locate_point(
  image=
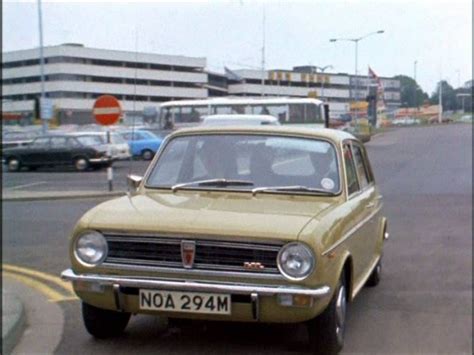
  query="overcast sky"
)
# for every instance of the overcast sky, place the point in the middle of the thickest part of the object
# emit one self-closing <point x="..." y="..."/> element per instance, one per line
<point x="437" y="34"/>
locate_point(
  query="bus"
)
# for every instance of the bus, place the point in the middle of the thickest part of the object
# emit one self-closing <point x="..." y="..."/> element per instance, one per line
<point x="302" y="111"/>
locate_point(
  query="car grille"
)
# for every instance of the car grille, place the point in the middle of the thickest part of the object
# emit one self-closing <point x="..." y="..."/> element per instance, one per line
<point x="209" y="255"/>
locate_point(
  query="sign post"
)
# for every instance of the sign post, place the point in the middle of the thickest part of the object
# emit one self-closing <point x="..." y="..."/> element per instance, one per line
<point x="107" y="111"/>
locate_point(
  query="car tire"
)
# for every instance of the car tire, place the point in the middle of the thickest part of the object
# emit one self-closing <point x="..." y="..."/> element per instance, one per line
<point x="326" y="331"/>
<point x="103" y="323"/>
<point x="81" y="164"/>
<point x="14" y="165"/>
<point x="375" y="276"/>
<point x="147" y="154"/>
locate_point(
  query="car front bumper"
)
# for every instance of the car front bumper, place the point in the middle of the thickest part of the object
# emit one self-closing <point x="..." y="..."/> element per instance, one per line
<point x="109" y="291"/>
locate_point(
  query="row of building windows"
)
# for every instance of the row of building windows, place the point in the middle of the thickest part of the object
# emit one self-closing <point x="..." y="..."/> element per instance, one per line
<point x="102" y="62"/>
<point x="82" y="95"/>
<point x="100" y="79"/>
<point x="304" y="84"/>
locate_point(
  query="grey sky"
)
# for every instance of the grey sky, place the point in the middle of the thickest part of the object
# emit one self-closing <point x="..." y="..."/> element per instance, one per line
<point x="438" y="34"/>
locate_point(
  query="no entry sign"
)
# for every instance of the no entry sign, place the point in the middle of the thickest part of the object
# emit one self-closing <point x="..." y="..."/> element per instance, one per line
<point x="107" y="110"/>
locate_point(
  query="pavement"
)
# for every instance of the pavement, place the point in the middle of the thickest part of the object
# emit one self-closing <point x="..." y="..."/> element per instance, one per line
<point x="14" y="307"/>
<point x="13" y="319"/>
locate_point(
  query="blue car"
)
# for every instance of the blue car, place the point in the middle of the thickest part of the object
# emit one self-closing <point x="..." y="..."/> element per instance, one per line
<point x="142" y="143"/>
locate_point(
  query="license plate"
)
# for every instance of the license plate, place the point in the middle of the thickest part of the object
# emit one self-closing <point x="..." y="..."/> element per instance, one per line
<point x="190" y="302"/>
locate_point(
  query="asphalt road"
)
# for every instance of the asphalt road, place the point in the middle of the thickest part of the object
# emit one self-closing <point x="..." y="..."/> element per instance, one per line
<point x="422" y="305"/>
<point x="66" y="178"/>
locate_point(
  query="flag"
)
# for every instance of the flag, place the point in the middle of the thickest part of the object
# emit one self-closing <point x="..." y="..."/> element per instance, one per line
<point x="375" y="80"/>
<point x="231" y="75"/>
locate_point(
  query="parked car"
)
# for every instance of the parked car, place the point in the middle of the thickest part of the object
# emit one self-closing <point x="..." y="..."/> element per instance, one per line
<point x="142" y="143"/>
<point x="54" y="150"/>
<point x="270" y="224"/>
<point x="119" y="149"/>
<point x="233" y="120"/>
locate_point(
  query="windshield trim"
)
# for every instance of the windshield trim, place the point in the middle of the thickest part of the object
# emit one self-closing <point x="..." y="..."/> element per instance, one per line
<point x="169" y="138"/>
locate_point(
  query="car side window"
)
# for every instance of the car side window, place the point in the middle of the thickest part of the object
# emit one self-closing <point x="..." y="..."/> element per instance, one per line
<point x="58" y="142"/>
<point x="73" y="143"/>
<point x="352" y="182"/>
<point x="361" y="166"/>
<point x="40" y="143"/>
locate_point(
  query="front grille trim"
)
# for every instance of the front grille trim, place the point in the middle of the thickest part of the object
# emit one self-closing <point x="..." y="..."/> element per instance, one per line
<point x="231" y="260"/>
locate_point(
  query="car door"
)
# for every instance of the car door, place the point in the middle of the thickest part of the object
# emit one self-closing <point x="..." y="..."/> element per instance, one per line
<point x="369" y="199"/>
<point x="38" y="152"/>
<point x="358" y="197"/>
<point x="60" y="152"/>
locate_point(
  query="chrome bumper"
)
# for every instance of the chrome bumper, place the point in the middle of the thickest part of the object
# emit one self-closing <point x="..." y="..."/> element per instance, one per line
<point x="99" y="160"/>
<point x="124" y="281"/>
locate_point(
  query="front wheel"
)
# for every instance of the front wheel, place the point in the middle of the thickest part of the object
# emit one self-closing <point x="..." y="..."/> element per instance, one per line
<point x="103" y="323"/>
<point x="81" y="164"/>
<point x="326" y="331"/>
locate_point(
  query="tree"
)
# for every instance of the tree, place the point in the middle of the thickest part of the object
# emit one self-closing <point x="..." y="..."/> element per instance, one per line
<point x="411" y="93"/>
<point x="449" y="100"/>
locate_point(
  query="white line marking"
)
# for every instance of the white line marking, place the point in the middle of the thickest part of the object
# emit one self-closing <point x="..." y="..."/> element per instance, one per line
<point x="26" y="185"/>
<point x="106" y="110"/>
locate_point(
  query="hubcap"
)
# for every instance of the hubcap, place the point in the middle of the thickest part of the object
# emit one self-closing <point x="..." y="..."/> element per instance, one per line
<point x="81" y="164"/>
<point x="340" y="313"/>
<point x="13" y="164"/>
<point x="147" y="155"/>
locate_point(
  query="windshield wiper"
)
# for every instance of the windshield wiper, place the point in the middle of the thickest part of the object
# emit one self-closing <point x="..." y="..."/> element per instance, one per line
<point x="290" y="188"/>
<point x="213" y="182"/>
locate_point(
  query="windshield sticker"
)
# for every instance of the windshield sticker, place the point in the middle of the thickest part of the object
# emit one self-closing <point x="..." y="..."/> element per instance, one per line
<point x="327" y="184"/>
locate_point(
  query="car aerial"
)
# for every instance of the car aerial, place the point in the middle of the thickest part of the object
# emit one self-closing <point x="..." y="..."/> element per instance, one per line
<point x="119" y="149"/>
<point x="54" y="150"/>
<point x="239" y="119"/>
<point x="142" y="143"/>
<point x="271" y="224"/>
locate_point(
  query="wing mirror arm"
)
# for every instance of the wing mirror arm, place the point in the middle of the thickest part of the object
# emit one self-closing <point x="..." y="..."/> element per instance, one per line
<point x="133" y="182"/>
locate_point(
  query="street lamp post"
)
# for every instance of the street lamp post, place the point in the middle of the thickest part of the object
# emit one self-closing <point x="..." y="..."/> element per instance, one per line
<point x="322" y="69"/>
<point x="415" y="92"/>
<point x="40" y="24"/>
<point x="356" y="42"/>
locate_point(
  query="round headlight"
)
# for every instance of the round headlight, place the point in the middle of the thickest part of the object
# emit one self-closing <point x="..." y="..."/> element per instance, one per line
<point x="295" y="261"/>
<point x="91" y="248"/>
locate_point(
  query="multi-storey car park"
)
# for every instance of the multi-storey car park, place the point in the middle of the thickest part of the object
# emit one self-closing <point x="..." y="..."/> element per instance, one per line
<point x="76" y="75"/>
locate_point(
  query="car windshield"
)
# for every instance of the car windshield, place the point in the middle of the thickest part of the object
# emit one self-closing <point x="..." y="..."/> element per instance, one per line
<point x="258" y="160"/>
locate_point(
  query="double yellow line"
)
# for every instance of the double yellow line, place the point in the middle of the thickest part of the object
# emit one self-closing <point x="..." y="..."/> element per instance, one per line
<point x="49" y="285"/>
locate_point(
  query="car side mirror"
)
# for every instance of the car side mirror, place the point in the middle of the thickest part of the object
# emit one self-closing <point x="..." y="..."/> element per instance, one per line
<point x="133" y="182"/>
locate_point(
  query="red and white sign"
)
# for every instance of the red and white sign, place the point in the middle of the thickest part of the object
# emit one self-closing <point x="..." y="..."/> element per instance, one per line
<point x="107" y="110"/>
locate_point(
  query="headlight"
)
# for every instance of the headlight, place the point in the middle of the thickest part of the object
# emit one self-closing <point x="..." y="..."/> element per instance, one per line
<point x="91" y="248"/>
<point x="295" y="261"/>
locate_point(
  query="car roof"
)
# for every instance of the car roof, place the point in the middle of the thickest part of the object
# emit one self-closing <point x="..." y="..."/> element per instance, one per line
<point x="240" y="117"/>
<point x="334" y="135"/>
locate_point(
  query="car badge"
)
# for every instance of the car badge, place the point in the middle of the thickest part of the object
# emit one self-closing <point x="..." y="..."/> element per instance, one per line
<point x="253" y="266"/>
<point x="188" y="251"/>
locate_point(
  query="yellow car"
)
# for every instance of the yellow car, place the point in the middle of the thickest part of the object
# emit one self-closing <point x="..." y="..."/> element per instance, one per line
<point x="255" y="224"/>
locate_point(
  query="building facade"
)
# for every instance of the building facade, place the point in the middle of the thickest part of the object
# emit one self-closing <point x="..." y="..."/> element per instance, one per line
<point x="75" y="76"/>
<point x="339" y="90"/>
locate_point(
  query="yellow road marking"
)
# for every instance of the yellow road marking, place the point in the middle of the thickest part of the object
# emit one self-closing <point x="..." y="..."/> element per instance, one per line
<point x="41" y="275"/>
<point x="50" y="293"/>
